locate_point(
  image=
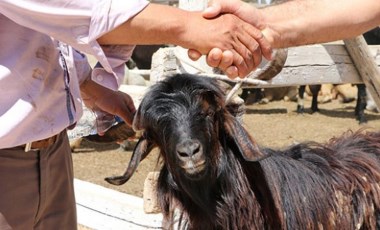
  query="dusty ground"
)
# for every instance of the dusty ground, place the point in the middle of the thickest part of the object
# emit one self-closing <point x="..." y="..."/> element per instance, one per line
<point x="273" y="125"/>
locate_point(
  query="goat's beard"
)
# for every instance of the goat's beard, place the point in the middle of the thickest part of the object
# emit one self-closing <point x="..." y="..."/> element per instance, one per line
<point x="201" y="170"/>
<point x="194" y="171"/>
<point x="194" y="168"/>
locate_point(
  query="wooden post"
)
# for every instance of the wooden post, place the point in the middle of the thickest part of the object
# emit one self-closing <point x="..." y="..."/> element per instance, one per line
<point x="366" y="66"/>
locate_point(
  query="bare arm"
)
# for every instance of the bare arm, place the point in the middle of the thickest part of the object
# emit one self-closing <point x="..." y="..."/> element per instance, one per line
<point x="156" y="24"/>
<point x="301" y="22"/>
<point x="160" y="24"/>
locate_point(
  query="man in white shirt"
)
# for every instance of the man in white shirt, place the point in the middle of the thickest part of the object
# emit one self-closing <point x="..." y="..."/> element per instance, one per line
<point x="42" y="77"/>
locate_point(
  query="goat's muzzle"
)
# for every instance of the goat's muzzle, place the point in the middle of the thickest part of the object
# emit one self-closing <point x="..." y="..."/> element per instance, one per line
<point x="191" y="157"/>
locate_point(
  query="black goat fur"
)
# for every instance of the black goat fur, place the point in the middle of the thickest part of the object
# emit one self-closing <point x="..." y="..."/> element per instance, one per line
<point x="335" y="185"/>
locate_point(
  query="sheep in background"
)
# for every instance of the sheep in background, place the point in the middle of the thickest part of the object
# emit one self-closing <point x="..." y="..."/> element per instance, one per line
<point x="215" y="176"/>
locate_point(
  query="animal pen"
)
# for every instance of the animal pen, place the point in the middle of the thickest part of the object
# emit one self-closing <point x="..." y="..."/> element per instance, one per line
<point x="348" y="61"/>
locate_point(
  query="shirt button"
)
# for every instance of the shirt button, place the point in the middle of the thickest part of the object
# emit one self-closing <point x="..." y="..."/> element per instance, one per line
<point x="99" y="78"/>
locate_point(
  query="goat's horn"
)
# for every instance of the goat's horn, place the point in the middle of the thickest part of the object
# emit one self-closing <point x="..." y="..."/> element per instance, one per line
<point x="142" y="149"/>
<point x="273" y="67"/>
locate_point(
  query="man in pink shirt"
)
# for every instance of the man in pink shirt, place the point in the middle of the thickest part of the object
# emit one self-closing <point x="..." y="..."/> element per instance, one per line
<point x="42" y="77"/>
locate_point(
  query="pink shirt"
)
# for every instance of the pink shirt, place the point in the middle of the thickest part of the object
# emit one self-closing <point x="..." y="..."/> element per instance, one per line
<point x="37" y="98"/>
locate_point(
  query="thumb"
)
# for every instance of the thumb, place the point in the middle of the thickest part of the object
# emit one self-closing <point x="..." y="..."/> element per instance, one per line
<point x="213" y="10"/>
<point x="193" y="54"/>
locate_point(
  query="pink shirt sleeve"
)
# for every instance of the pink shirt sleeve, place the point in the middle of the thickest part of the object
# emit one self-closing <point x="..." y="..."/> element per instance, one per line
<point x="79" y="24"/>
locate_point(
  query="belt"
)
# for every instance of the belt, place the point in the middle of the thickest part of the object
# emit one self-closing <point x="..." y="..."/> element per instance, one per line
<point x="41" y="144"/>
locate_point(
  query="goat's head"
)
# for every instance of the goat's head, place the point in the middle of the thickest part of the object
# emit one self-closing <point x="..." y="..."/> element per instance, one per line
<point x="186" y="117"/>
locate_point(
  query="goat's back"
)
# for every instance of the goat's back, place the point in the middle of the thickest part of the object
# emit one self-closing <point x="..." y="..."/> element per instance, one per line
<point x="335" y="185"/>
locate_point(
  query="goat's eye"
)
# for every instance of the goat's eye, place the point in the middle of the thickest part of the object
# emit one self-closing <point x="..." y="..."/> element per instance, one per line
<point x="210" y="114"/>
<point x="207" y="114"/>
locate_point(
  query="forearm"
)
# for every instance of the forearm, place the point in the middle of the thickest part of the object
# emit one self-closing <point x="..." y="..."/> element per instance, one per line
<point x="301" y="22"/>
<point x="190" y="30"/>
<point x="145" y="29"/>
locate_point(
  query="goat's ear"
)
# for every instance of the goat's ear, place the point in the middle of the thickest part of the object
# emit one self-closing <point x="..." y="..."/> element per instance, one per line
<point x="142" y="149"/>
<point x="137" y="124"/>
<point x="242" y="140"/>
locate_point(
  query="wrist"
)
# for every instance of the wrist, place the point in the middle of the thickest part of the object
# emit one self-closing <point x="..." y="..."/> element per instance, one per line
<point x="267" y="27"/>
<point x="181" y="31"/>
<point x="270" y="36"/>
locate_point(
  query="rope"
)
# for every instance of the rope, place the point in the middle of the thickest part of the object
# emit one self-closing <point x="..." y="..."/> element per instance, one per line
<point x="249" y="79"/>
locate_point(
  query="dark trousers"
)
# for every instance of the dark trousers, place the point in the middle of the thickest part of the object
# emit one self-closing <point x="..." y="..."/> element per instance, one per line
<point x="36" y="188"/>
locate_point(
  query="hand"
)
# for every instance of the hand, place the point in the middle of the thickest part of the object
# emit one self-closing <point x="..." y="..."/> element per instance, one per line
<point x="243" y="10"/>
<point x="217" y="58"/>
<point x="116" y="103"/>
<point x="227" y="33"/>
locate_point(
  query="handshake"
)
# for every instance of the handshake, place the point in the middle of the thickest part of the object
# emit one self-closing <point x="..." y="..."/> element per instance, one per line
<point x="248" y="45"/>
<point x="247" y="34"/>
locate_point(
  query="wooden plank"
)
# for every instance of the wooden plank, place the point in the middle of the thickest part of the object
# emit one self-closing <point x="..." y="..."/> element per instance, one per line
<point x="366" y="65"/>
<point x="306" y="65"/>
<point x="316" y="64"/>
<point x="102" y="208"/>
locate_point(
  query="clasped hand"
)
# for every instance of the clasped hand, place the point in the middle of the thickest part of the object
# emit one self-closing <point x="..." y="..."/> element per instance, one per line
<point x="248" y="44"/>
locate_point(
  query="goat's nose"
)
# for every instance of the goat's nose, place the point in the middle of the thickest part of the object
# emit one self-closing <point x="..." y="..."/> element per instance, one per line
<point x="188" y="148"/>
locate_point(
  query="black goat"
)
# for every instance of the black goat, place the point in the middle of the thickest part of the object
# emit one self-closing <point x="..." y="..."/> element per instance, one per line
<point x="142" y="56"/>
<point x="217" y="177"/>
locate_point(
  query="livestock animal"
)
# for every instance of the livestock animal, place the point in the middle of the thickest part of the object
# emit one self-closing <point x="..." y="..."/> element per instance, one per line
<point x="372" y="37"/>
<point x="266" y="95"/>
<point x="215" y="176"/>
<point x="121" y="132"/>
<point x="142" y="56"/>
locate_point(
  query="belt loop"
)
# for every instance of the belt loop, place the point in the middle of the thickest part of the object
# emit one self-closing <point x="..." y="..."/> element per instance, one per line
<point x="28" y="146"/>
<point x="40" y="144"/>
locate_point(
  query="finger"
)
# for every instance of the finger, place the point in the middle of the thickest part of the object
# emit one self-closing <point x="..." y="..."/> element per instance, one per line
<point x="217" y="7"/>
<point x="130" y="114"/>
<point x="254" y="50"/>
<point x="127" y="117"/>
<point x="244" y="45"/>
<point x="243" y="59"/>
<point x="266" y="49"/>
<point x="214" y="57"/>
<point x="213" y="10"/>
<point x="127" y="109"/>
<point x="232" y="72"/>
<point x="194" y="54"/>
<point x="240" y="64"/>
<point x="227" y="60"/>
<point x="132" y="109"/>
<point x="252" y="45"/>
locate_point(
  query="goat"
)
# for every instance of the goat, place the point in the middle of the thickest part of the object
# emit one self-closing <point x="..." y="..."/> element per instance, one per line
<point x="217" y="177"/>
<point x="142" y="56"/>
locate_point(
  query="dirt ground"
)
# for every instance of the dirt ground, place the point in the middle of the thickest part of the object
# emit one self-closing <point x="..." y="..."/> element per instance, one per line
<point x="274" y="125"/>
